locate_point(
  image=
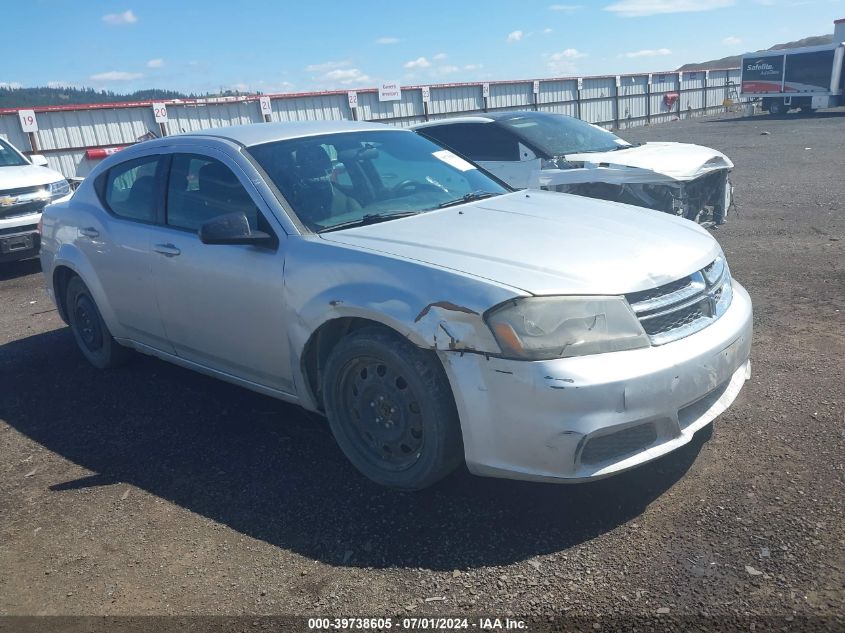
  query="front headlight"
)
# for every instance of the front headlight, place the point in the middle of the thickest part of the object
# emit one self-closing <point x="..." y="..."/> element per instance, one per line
<point x="59" y="188"/>
<point x="542" y="328"/>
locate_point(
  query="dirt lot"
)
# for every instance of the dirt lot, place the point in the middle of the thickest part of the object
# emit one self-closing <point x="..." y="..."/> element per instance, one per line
<point x="153" y="490"/>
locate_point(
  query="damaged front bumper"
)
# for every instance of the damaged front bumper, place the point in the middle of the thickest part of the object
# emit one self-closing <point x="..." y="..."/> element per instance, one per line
<point x="706" y="199"/>
<point x="588" y="417"/>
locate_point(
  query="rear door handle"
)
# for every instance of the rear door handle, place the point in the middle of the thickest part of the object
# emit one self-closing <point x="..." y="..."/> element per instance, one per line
<point x="89" y="231"/>
<point x="168" y="250"/>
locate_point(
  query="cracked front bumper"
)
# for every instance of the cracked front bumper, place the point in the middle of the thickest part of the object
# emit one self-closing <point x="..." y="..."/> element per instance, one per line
<point x="588" y="417"/>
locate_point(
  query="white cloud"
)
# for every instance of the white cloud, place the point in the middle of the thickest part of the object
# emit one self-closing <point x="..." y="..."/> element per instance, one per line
<point x="440" y="57"/>
<point x="562" y="63"/>
<point x="155" y="63"/>
<point x="473" y="66"/>
<point x="568" y="8"/>
<point x="639" y="8"/>
<point x="546" y="31"/>
<point x="515" y="36"/>
<point x="326" y="66"/>
<point x="569" y="53"/>
<point x="648" y="52"/>
<point x="388" y="40"/>
<point x="116" y="75"/>
<point x="419" y="62"/>
<point x="731" y="40"/>
<point x="60" y="84"/>
<point x="447" y="69"/>
<point x="120" y="19"/>
<point x="344" y="76"/>
<point x="10" y="85"/>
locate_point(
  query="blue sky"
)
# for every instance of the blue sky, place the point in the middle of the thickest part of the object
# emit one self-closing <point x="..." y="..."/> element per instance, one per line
<point x="293" y="46"/>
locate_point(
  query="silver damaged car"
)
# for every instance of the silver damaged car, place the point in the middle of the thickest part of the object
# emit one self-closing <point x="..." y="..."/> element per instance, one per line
<point x="430" y="313"/>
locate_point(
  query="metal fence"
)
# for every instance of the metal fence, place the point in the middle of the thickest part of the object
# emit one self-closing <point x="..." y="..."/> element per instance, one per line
<point x="74" y="138"/>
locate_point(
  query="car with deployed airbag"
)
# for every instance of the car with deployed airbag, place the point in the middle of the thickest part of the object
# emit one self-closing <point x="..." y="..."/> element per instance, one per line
<point x="542" y="150"/>
<point x="434" y="315"/>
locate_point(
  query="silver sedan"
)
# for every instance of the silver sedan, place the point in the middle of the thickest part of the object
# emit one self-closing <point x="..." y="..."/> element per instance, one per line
<point x="431" y="313"/>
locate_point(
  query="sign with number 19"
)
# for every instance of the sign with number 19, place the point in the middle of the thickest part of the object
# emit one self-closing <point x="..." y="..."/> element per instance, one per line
<point x="28" y="121"/>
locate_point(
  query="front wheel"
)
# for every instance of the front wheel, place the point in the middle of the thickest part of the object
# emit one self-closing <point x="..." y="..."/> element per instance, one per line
<point x="90" y="331"/>
<point x="391" y="410"/>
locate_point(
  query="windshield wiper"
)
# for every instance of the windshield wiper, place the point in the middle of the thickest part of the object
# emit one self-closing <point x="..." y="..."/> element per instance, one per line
<point x="369" y="218"/>
<point x="469" y="197"/>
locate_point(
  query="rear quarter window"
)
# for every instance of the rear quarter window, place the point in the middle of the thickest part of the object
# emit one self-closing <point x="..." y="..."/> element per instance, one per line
<point x="130" y="190"/>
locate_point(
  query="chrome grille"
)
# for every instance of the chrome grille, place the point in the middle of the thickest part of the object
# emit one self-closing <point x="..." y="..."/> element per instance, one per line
<point x="685" y="306"/>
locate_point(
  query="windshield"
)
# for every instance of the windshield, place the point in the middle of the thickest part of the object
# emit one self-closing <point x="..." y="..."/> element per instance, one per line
<point x="558" y="135"/>
<point x="9" y="157"/>
<point x="339" y="180"/>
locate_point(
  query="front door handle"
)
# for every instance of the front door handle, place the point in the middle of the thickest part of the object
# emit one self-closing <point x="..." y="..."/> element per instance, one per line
<point x="89" y="231"/>
<point x="168" y="250"/>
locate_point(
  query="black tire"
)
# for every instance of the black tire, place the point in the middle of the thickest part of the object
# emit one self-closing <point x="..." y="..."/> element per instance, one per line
<point x="777" y="107"/>
<point x="391" y="410"/>
<point x="92" y="336"/>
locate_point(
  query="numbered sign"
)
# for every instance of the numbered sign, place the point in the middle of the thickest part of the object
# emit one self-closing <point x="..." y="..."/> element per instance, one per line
<point x="580" y="83"/>
<point x="485" y="90"/>
<point x="353" y="98"/>
<point x="426" y="94"/>
<point x="28" y="120"/>
<point x="536" y="87"/>
<point x="649" y="79"/>
<point x="160" y="112"/>
<point x="264" y="104"/>
<point x="618" y="81"/>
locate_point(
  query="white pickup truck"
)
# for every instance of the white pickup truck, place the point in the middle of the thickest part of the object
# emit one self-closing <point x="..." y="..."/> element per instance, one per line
<point x="27" y="185"/>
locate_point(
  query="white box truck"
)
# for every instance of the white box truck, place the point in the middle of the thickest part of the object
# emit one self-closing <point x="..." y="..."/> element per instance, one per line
<point x="808" y="78"/>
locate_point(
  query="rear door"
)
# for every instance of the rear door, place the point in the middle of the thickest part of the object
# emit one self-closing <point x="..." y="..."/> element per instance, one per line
<point x="222" y="305"/>
<point x="116" y="241"/>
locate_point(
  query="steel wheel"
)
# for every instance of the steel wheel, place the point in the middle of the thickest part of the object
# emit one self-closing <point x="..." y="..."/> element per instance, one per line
<point x="391" y="409"/>
<point x="92" y="336"/>
<point x="88" y="323"/>
<point x="384" y="412"/>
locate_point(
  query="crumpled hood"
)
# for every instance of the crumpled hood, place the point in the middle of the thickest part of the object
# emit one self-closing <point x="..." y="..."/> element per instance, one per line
<point x="546" y="243"/>
<point x="26" y="176"/>
<point x="679" y="161"/>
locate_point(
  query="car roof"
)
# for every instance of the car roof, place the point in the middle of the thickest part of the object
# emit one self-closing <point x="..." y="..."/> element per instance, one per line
<point x="487" y="117"/>
<point x="258" y="133"/>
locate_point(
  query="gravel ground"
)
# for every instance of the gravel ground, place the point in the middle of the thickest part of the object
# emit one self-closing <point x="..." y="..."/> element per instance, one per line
<point x="154" y="490"/>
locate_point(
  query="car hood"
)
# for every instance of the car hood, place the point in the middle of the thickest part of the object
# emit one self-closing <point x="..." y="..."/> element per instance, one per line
<point x="677" y="161"/>
<point x="26" y="176"/>
<point x="546" y="243"/>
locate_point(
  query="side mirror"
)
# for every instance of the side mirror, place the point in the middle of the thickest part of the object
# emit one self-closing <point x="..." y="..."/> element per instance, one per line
<point x="38" y="160"/>
<point x="232" y="228"/>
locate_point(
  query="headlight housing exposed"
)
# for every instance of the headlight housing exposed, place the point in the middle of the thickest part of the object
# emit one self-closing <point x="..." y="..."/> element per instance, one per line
<point x="542" y="328"/>
<point x="59" y="188"/>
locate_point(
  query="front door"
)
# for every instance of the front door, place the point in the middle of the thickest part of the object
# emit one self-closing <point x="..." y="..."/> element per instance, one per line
<point x="223" y="306"/>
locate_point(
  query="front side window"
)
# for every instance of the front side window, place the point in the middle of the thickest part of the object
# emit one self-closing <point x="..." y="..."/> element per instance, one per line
<point x="9" y="157"/>
<point x="202" y="188"/>
<point x="339" y="179"/>
<point x="476" y="141"/>
<point x="131" y="191"/>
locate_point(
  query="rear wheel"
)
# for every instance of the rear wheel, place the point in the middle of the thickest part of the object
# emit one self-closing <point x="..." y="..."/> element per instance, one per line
<point x="777" y="107"/>
<point x="90" y="331"/>
<point x="391" y="410"/>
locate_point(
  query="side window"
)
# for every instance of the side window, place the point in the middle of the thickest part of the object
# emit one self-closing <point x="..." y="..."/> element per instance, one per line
<point x="200" y="189"/>
<point x="130" y="189"/>
<point x="476" y="141"/>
